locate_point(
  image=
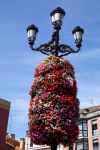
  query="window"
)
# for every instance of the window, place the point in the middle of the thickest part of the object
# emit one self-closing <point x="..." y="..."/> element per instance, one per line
<point x="94" y="128"/>
<point x="85" y="133"/>
<point x="31" y="143"/>
<point x="80" y="133"/>
<point x="95" y="144"/>
<point x="82" y="145"/>
<point x="79" y="146"/>
<point x="80" y="129"/>
<point x="84" y="126"/>
<point x="85" y="145"/>
<point x="80" y="126"/>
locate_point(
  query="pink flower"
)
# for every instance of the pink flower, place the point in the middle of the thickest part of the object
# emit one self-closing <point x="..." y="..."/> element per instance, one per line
<point x="54" y="108"/>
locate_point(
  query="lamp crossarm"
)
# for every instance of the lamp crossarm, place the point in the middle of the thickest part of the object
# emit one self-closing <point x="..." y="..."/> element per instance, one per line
<point x="44" y="48"/>
<point x="48" y="49"/>
<point x="66" y="50"/>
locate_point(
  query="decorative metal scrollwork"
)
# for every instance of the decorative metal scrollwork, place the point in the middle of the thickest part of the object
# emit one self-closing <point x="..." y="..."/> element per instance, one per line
<point x="48" y="48"/>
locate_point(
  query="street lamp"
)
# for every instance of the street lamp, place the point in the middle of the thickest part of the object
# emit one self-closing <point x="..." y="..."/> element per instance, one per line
<point x="32" y="31"/>
<point x="57" y="16"/>
<point x="53" y="46"/>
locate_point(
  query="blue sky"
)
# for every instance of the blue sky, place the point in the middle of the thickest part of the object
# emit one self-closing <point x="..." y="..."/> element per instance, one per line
<point x="18" y="62"/>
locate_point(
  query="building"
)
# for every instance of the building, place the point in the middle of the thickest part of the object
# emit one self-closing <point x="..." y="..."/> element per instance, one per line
<point x="4" y="114"/>
<point x="13" y="144"/>
<point x="89" y="126"/>
<point x="30" y="146"/>
<point x="89" y="132"/>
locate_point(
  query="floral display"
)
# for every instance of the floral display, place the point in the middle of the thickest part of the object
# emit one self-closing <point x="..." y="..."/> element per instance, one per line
<point x="54" y="107"/>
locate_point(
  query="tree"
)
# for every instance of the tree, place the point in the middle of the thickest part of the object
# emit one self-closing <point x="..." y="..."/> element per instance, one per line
<point x="54" y="107"/>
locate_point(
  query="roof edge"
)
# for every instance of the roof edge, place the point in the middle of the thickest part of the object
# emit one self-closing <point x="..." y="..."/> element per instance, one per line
<point x="4" y="103"/>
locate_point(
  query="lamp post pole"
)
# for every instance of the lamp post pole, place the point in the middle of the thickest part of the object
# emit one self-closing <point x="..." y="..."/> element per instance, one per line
<point x="53" y="46"/>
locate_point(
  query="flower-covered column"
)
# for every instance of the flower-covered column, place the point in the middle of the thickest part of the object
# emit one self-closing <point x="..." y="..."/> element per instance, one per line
<point x="54" y="107"/>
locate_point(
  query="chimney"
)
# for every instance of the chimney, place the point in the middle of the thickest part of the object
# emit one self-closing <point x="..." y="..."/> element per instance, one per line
<point x="12" y="136"/>
<point x="22" y="143"/>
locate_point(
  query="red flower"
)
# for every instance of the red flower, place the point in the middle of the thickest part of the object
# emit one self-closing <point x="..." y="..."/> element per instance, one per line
<point x="54" y="108"/>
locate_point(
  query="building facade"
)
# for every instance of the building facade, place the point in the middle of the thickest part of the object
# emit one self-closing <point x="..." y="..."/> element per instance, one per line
<point x="89" y="126"/>
<point x="89" y="132"/>
<point x="13" y="144"/>
<point x="4" y="114"/>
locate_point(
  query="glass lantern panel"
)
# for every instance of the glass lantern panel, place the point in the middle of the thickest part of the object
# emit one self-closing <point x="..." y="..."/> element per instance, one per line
<point x="58" y="16"/>
<point x="78" y="35"/>
<point x="31" y="33"/>
<point x="53" y="19"/>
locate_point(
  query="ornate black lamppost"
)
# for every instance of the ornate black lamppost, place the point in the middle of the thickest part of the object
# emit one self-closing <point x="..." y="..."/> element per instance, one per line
<point x="47" y="83"/>
<point x="53" y="46"/>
